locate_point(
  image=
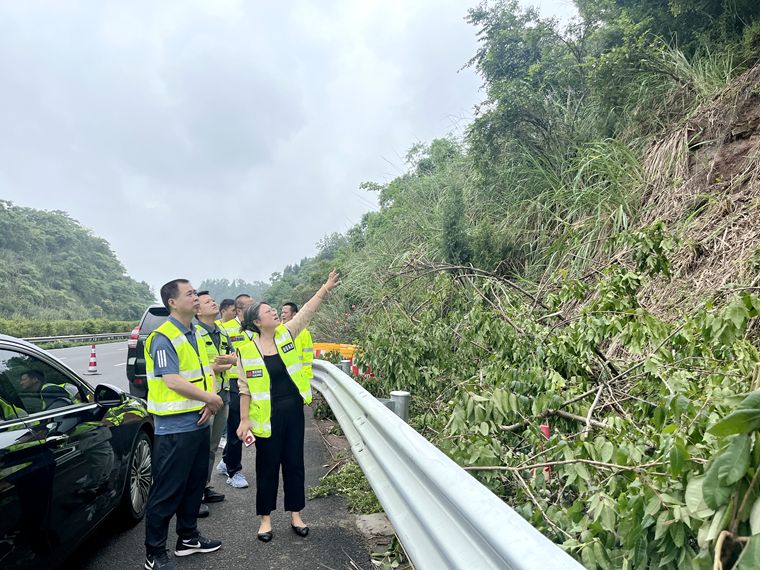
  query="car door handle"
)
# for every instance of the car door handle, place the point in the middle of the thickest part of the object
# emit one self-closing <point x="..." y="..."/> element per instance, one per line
<point x="57" y="438"/>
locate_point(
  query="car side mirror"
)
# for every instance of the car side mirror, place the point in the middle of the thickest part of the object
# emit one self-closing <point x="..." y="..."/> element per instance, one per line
<point x="107" y="396"/>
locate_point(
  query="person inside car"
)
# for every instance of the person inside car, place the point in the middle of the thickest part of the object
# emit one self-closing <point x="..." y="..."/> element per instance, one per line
<point x="39" y="395"/>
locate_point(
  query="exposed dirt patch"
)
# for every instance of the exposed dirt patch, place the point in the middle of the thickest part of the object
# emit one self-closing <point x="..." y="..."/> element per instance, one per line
<point x="704" y="182"/>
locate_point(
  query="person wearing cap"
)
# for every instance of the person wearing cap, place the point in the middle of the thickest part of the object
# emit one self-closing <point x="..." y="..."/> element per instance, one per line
<point x="273" y="391"/>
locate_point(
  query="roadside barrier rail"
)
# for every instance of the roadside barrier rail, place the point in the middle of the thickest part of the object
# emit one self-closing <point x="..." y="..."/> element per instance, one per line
<point x="77" y="337"/>
<point x="442" y="515"/>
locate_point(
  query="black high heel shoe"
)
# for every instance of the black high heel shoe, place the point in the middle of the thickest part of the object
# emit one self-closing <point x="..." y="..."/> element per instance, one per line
<point x="300" y="530"/>
<point x="264" y="536"/>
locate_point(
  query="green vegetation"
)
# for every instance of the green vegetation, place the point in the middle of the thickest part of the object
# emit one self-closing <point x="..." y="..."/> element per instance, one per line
<point x="53" y="268"/>
<point x="225" y="289"/>
<point x="585" y="257"/>
<point x="35" y="328"/>
<point x="351" y="483"/>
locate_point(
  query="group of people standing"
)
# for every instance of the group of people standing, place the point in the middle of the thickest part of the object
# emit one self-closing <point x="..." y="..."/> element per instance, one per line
<point x="238" y="368"/>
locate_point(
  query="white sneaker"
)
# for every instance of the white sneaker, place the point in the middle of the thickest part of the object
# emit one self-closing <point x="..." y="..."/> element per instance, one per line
<point x="222" y="467"/>
<point x="238" y="481"/>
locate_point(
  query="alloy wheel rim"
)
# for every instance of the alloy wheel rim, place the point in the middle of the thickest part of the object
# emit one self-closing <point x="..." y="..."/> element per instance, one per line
<point x="139" y="476"/>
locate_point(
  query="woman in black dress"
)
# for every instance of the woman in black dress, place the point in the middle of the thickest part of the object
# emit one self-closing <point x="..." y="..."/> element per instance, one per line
<point x="272" y="395"/>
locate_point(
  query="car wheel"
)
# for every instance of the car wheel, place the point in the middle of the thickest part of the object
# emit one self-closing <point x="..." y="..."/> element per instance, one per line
<point x="139" y="480"/>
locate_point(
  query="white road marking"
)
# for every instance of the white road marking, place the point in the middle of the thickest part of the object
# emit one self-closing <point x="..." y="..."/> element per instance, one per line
<point x="121" y="364"/>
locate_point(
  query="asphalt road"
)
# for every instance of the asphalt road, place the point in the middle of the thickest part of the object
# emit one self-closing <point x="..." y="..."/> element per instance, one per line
<point x="111" y="359"/>
<point x="333" y="542"/>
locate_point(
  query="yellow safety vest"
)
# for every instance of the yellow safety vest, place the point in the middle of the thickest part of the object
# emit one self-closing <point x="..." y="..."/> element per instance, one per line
<point x="193" y="367"/>
<point x="213" y="352"/>
<point x="237" y="339"/>
<point x="9" y="411"/>
<point x="259" y="385"/>
<point x="305" y="348"/>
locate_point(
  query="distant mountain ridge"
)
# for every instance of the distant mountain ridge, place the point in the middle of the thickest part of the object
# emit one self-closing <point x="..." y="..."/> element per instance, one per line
<point x="52" y="267"/>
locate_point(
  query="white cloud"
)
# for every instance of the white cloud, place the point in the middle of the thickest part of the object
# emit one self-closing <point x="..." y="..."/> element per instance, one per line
<point x="247" y="124"/>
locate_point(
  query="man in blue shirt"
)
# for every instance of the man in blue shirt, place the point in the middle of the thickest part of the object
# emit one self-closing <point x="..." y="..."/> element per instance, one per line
<point x="180" y="453"/>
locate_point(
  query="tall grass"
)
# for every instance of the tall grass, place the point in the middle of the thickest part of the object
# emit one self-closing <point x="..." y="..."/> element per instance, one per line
<point x="565" y="211"/>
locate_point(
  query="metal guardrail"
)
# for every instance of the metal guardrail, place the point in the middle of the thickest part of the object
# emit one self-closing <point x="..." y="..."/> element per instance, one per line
<point x="98" y="336"/>
<point x="443" y="516"/>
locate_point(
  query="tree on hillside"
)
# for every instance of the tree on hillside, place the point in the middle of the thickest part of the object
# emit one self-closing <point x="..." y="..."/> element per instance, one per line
<point x="226" y="289"/>
<point x="53" y="267"/>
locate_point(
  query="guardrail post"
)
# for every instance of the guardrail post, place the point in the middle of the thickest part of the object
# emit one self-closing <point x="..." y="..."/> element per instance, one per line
<point x="400" y="400"/>
<point x="345" y="366"/>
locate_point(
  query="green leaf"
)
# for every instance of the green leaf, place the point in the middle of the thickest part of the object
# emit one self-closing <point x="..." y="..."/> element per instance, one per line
<point x="678" y="456"/>
<point x="737" y="314"/>
<point x="601" y="556"/>
<point x="715" y="493"/>
<point x="588" y="558"/>
<point x="606" y="451"/>
<point x="662" y="525"/>
<point x="744" y="419"/>
<point x="608" y="519"/>
<point x="750" y="557"/>
<point x="654" y="505"/>
<point x="695" y="502"/>
<point x="582" y="471"/>
<point x="736" y="460"/>
<point x="740" y="421"/>
<point x="718" y="523"/>
<point x="678" y="534"/>
<point x="754" y="517"/>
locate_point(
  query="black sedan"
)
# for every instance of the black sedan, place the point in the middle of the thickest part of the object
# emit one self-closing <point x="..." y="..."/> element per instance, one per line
<point x="70" y="456"/>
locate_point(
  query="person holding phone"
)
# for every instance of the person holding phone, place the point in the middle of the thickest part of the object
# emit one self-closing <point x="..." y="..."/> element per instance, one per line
<point x="218" y="347"/>
<point x="273" y="391"/>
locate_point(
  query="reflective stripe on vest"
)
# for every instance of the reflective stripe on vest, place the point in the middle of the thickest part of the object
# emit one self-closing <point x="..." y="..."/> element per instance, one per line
<point x="305" y="347"/>
<point x="213" y="352"/>
<point x="193" y="367"/>
<point x="259" y="383"/>
<point x="237" y="338"/>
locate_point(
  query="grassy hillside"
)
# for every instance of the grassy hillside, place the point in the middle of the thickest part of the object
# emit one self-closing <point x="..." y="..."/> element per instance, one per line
<point x="51" y="267"/>
<point x="586" y="257"/>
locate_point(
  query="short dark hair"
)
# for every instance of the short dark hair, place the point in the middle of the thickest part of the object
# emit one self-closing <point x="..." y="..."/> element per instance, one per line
<point x="199" y="293"/>
<point x="293" y="306"/>
<point x="226" y="303"/>
<point x="170" y="290"/>
<point x="36" y="374"/>
<point x="238" y="304"/>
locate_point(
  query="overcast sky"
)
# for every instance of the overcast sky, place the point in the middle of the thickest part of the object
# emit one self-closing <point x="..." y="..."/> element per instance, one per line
<point x="224" y="138"/>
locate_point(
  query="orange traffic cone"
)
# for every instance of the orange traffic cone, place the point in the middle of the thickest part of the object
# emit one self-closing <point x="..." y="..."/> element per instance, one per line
<point x="93" y="366"/>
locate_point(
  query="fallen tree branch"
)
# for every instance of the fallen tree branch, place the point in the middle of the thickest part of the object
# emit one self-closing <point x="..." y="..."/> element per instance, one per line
<point x="560" y="413"/>
<point x="591" y="411"/>
<point x="600" y="464"/>
<point x="538" y="505"/>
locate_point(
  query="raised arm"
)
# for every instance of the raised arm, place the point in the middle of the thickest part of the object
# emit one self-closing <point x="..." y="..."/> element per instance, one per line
<point x="304" y="316"/>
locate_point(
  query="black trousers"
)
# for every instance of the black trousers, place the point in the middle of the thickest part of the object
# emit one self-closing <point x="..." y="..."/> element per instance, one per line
<point x="233" y="449"/>
<point x="284" y="448"/>
<point x="180" y="463"/>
